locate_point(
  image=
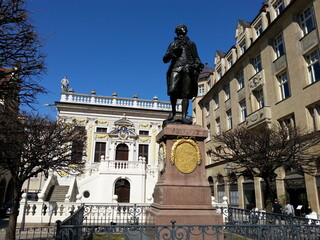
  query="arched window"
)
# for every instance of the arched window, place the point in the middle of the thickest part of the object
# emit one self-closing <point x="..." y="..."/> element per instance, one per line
<point x="122" y="152"/>
<point x="122" y="190"/>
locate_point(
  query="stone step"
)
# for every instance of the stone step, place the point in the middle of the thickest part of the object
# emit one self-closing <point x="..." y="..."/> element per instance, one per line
<point x="59" y="193"/>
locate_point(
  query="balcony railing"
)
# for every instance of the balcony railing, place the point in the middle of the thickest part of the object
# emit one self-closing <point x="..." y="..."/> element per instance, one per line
<point x="116" y="101"/>
<point x="118" y="166"/>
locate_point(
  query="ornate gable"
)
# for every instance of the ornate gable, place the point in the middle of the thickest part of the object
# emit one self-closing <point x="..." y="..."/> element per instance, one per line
<point x="123" y="129"/>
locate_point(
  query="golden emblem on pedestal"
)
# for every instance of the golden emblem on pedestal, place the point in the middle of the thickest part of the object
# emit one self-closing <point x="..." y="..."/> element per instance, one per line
<point x="185" y="154"/>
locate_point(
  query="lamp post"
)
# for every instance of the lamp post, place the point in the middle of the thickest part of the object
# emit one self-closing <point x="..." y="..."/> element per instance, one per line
<point x="228" y="169"/>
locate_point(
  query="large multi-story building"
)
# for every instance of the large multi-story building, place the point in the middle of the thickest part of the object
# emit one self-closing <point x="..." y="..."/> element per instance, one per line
<point x="271" y="75"/>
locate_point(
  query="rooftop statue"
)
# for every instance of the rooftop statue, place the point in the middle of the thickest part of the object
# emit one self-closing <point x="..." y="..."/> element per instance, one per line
<point x="183" y="72"/>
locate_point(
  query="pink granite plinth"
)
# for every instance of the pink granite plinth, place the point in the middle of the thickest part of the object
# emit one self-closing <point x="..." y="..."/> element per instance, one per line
<point x="184" y="198"/>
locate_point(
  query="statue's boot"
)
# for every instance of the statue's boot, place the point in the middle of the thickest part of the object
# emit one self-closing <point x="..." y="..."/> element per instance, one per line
<point x="185" y="104"/>
<point x="171" y="116"/>
<point x="184" y="120"/>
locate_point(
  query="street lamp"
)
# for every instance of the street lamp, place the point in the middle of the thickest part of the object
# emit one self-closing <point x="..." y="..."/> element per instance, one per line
<point x="228" y="169"/>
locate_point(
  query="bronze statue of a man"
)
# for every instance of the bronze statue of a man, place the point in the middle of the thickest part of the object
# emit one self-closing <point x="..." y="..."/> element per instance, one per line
<point x="183" y="73"/>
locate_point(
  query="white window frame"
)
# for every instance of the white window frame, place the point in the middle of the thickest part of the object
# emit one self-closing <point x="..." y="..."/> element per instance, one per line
<point x="226" y="89"/>
<point x="258" y="29"/>
<point x="258" y="94"/>
<point x="284" y="87"/>
<point x="230" y="61"/>
<point x="279" y="46"/>
<point x="278" y="7"/>
<point x="229" y="119"/>
<point x="313" y="62"/>
<point x="257" y="64"/>
<point x="243" y="110"/>
<point x="219" y="71"/>
<point x="315" y="115"/>
<point x="216" y="101"/>
<point x="304" y="18"/>
<point x="240" y="78"/>
<point x="201" y="90"/>
<point x="243" y="46"/>
<point x="218" y="126"/>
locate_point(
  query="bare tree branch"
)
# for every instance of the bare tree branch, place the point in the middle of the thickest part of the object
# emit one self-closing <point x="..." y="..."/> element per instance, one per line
<point x="20" y="51"/>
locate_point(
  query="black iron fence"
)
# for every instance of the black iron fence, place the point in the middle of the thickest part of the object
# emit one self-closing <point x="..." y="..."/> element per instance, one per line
<point x="193" y="232"/>
<point x="129" y="222"/>
<point x="75" y="219"/>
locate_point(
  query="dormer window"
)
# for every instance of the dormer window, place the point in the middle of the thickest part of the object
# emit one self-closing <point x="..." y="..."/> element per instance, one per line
<point x="258" y="29"/>
<point x="242" y="46"/>
<point x="278" y="7"/>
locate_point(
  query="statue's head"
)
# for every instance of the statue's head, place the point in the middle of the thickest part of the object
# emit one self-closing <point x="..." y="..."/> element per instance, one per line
<point x="181" y="29"/>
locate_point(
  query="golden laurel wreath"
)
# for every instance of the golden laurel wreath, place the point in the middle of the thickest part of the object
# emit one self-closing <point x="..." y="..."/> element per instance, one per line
<point x="185" y="154"/>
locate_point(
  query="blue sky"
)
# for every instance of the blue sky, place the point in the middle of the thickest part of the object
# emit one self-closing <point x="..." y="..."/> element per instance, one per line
<point x="118" y="45"/>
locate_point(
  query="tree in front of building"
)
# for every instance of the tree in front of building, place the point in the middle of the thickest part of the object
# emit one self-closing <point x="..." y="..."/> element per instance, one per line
<point x="20" y="53"/>
<point x="261" y="151"/>
<point x="32" y="144"/>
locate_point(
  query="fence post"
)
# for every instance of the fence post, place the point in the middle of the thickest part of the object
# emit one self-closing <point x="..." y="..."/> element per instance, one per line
<point x="58" y="234"/>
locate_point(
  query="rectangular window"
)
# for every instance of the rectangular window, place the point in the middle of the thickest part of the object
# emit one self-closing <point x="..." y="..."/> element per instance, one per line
<point x="258" y="94"/>
<point x="284" y="88"/>
<point x="230" y="62"/>
<point x="313" y="66"/>
<point x="234" y="196"/>
<point x="242" y="46"/>
<point x="240" y="78"/>
<point x="218" y="126"/>
<point x="243" y="111"/>
<point x="258" y="29"/>
<point x="221" y="193"/>
<point x="102" y="130"/>
<point x="315" y="115"/>
<point x="226" y="89"/>
<point x="229" y="120"/>
<point x="201" y="90"/>
<point x="207" y="106"/>
<point x="287" y="122"/>
<point x="279" y="46"/>
<point x="144" y="133"/>
<point x="219" y="71"/>
<point x="100" y="150"/>
<point x="307" y="22"/>
<point x="278" y="7"/>
<point x="77" y="149"/>
<point x="143" y="151"/>
<point x="216" y="100"/>
<point x="257" y="64"/>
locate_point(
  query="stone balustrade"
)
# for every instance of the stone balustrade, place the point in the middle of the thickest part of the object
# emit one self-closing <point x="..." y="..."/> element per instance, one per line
<point x="44" y="213"/>
<point x="116" y="101"/>
<point x="118" y="166"/>
<point x="47" y="213"/>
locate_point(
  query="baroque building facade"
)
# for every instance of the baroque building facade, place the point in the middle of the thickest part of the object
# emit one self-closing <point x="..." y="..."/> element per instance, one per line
<point x="121" y="162"/>
<point x="121" y="149"/>
<point x="270" y="76"/>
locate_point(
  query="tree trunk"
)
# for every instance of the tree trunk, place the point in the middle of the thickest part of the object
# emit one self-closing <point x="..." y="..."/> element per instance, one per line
<point x="11" y="229"/>
<point x="268" y="194"/>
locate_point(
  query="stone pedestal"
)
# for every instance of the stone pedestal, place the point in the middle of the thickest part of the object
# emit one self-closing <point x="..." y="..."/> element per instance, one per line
<point x="182" y="192"/>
